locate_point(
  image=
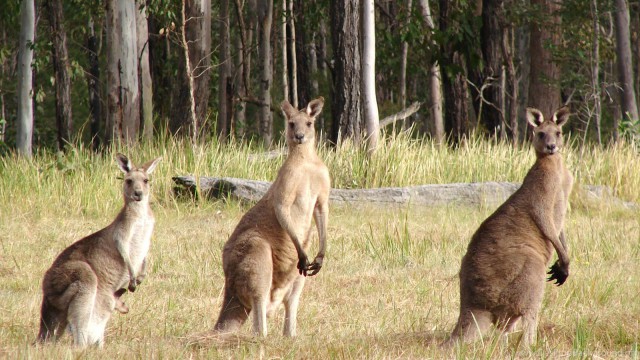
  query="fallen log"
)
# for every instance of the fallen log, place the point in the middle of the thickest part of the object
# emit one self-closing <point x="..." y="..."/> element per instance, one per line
<point x="472" y="194"/>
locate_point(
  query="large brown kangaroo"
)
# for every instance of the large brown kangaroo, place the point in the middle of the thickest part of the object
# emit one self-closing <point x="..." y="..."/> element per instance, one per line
<point x="83" y="286"/>
<point x="502" y="275"/>
<point x="264" y="260"/>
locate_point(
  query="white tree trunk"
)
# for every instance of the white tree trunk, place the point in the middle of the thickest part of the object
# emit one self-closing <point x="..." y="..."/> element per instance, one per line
<point x="595" y="69"/>
<point x="371" y="117"/>
<point x="292" y="50"/>
<point x="25" y="78"/>
<point x="146" y="85"/>
<point x="224" y="71"/>
<point x="403" y="66"/>
<point x="123" y="102"/>
<point x="435" y="81"/>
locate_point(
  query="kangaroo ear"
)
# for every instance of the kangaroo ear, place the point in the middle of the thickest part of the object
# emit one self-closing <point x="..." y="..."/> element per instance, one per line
<point x="561" y="116"/>
<point x="315" y="107"/>
<point x="124" y="163"/>
<point x="534" y="117"/>
<point x="151" y="165"/>
<point x="287" y="109"/>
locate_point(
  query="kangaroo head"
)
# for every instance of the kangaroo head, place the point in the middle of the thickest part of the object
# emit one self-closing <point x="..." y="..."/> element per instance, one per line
<point x="136" y="179"/>
<point x="300" y="123"/>
<point x="547" y="134"/>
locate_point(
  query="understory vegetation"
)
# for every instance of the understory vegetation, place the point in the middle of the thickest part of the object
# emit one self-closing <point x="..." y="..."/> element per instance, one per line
<point x="388" y="288"/>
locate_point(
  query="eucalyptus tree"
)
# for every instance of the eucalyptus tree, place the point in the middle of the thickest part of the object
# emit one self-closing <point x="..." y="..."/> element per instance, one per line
<point x="24" y="134"/>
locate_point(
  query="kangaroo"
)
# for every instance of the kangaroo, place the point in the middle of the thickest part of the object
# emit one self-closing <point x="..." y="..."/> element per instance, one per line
<point x="83" y="286"/>
<point x="502" y="274"/>
<point x="264" y="260"/>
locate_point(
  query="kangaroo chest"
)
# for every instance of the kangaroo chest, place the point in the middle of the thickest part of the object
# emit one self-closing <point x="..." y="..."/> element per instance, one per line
<point x="140" y="241"/>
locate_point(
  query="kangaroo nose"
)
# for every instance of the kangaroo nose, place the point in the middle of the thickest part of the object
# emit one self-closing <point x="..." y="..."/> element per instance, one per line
<point x="551" y="147"/>
<point x="299" y="136"/>
<point x="137" y="194"/>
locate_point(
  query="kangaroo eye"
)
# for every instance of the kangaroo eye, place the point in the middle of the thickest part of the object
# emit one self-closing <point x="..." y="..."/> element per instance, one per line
<point x="146" y="181"/>
<point x="309" y="124"/>
<point x="291" y="125"/>
<point x="558" y="134"/>
<point x="129" y="181"/>
<point x="540" y="135"/>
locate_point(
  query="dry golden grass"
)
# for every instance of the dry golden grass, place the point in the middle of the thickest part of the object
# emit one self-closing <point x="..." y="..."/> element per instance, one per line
<point x="388" y="288"/>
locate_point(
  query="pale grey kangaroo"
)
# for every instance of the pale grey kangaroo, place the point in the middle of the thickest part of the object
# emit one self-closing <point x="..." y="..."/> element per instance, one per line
<point x="83" y="286"/>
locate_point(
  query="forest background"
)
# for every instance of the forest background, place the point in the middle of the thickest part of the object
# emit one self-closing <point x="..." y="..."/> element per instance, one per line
<point x="86" y="72"/>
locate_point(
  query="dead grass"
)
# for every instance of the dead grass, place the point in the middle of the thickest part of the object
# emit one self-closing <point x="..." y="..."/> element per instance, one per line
<point x="388" y="288"/>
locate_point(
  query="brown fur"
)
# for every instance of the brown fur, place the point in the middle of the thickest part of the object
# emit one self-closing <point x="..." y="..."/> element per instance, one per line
<point x="502" y="274"/>
<point x="83" y="286"/>
<point x="264" y="260"/>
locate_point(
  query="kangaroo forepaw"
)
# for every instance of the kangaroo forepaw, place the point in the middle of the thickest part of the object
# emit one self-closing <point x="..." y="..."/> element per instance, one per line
<point x="303" y="265"/>
<point x="558" y="272"/>
<point x="315" y="267"/>
<point x="133" y="284"/>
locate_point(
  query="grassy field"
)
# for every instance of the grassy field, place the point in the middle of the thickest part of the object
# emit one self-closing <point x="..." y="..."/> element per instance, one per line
<point x="388" y="288"/>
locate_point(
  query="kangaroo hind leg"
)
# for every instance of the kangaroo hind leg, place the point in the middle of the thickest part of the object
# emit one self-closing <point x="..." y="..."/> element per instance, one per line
<point x="291" y="302"/>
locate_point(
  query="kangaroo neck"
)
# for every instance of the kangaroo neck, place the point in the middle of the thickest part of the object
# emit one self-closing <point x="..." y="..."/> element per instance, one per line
<point x="548" y="158"/>
<point x="301" y="151"/>
<point x="136" y="209"/>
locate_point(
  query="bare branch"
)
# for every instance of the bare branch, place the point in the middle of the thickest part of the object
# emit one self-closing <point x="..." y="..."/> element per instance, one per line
<point x="412" y="109"/>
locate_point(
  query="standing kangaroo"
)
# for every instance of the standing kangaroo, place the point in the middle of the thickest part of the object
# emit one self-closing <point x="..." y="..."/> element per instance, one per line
<point x="502" y="275"/>
<point x="83" y="286"/>
<point x="264" y="260"/>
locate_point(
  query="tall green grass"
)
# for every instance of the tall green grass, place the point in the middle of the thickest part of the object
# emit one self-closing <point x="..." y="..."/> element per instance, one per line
<point x="400" y="161"/>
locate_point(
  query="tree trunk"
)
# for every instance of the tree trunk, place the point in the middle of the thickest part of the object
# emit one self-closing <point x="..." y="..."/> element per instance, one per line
<point x="595" y="69"/>
<point x="3" y="75"/>
<point x="25" y="78"/>
<point x="224" y="72"/>
<point x="196" y="31"/>
<point x="346" y="107"/>
<point x="435" y="78"/>
<point x="313" y="62"/>
<point x="285" y="55"/>
<point x="511" y="102"/>
<point x="492" y="115"/>
<point x="302" y="53"/>
<point x="292" y="52"/>
<point x="240" y="116"/>
<point x="144" y="73"/>
<point x="93" y="84"/>
<point x="456" y="90"/>
<point x="371" y="117"/>
<point x="60" y="57"/>
<point x="265" y="17"/>
<point x="245" y="40"/>
<point x="403" y="65"/>
<point x="123" y="101"/>
<point x="544" y="92"/>
<point x="323" y="58"/>
<point x="625" y="64"/>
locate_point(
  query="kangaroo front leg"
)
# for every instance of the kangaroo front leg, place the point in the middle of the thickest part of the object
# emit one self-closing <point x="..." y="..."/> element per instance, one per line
<point x="142" y="274"/>
<point x="560" y="270"/>
<point x="122" y="244"/>
<point x="283" y="213"/>
<point x="321" y="216"/>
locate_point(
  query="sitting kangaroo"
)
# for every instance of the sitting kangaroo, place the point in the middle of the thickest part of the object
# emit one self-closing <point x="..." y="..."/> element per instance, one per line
<point x="502" y="275"/>
<point x="264" y="260"/>
<point x="83" y="286"/>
